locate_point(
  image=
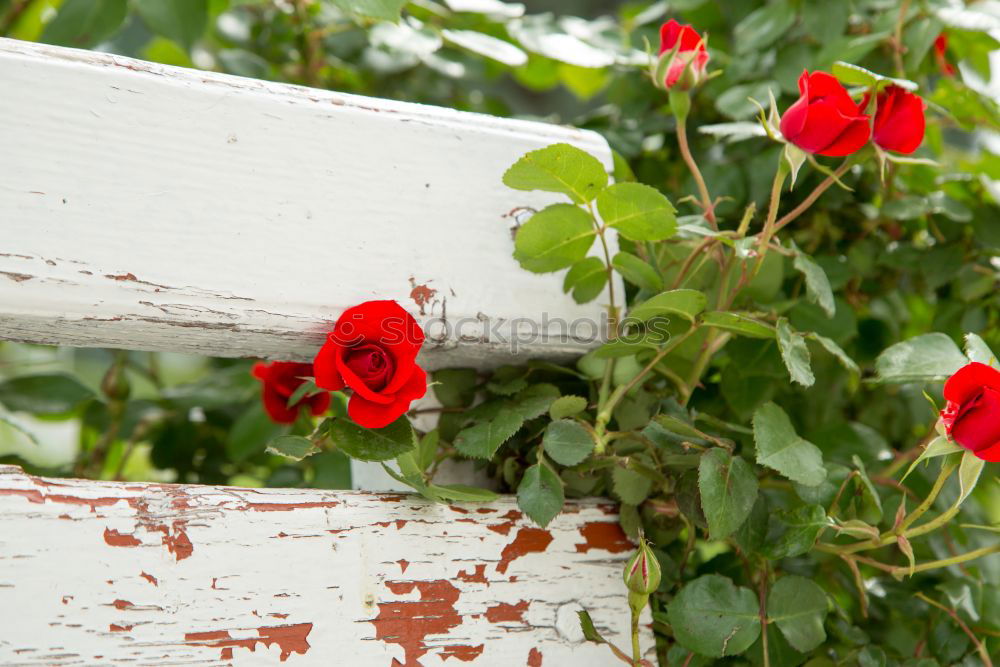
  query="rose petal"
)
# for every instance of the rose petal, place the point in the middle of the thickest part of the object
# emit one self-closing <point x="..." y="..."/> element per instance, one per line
<point x="359" y="386"/>
<point x="977" y="424"/>
<point x="990" y="454"/>
<point x="375" y="415"/>
<point x="826" y="87"/>
<point x="325" y="367"/>
<point x="899" y="121"/>
<point x="276" y="406"/>
<point x="823" y="124"/>
<point x="854" y="137"/>
<point x="319" y="403"/>
<point x="385" y="323"/>
<point x="969" y="380"/>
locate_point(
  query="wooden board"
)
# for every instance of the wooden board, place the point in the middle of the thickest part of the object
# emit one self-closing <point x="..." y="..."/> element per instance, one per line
<point x="152" y="207"/>
<point x="146" y="574"/>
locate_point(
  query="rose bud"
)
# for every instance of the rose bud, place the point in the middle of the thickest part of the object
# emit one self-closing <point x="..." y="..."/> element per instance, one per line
<point x="642" y="572"/>
<point x="899" y="120"/>
<point x="373" y="350"/>
<point x="972" y="415"/>
<point x="941" y="55"/>
<point x="280" y="380"/>
<point x="687" y="53"/>
<point x="825" y="120"/>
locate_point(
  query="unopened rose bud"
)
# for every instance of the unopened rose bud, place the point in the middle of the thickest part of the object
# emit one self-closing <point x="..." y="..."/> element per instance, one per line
<point x="642" y="572"/>
<point x="115" y="385"/>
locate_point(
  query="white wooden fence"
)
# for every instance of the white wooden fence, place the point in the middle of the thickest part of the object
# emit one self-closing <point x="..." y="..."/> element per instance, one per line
<point x="152" y="207"/>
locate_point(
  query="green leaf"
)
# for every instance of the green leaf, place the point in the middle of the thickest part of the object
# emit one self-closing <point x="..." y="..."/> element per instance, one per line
<point x="793" y="533"/>
<point x="780" y="448"/>
<point x="969" y="471"/>
<point x="817" y="284"/>
<point x="540" y="494"/>
<point x="294" y="447"/>
<point x="738" y="324"/>
<point x="928" y="358"/>
<point x="728" y="489"/>
<point x="567" y="442"/>
<point x="383" y="10"/>
<point x="483" y="440"/>
<point x="559" y="168"/>
<point x="763" y="26"/>
<point x="799" y="607"/>
<point x="369" y="444"/>
<point x="567" y="406"/>
<point x="853" y="75"/>
<point x="183" y="21"/>
<point x="680" y="427"/>
<point x="586" y="279"/>
<point x="630" y="486"/>
<point x="795" y="354"/>
<point x="251" y="432"/>
<point x="687" y="303"/>
<point x="455" y="387"/>
<point x="751" y="535"/>
<point x="939" y="446"/>
<point x="836" y="351"/>
<point x="590" y="633"/>
<point x="637" y="211"/>
<point x="713" y="617"/>
<point x="534" y="401"/>
<point x="554" y="238"/>
<point x="976" y="349"/>
<point x="43" y="394"/>
<point x="462" y="493"/>
<point x="84" y="23"/>
<point x="637" y="271"/>
<point x="427" y="449"/>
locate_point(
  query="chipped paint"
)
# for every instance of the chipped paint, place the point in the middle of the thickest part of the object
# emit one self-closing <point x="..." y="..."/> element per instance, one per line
<point x="193" y="572"/>
<point x="534" y="657"/>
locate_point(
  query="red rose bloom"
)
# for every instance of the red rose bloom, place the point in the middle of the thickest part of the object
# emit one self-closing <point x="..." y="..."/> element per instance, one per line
<point x="972" y="416"/>
<point x="899" y="120"/>
<point x="825" y="120"/>
<point x="691" y="53"/>
<point x="281" y="379"/>
<point x="373" y="349"/>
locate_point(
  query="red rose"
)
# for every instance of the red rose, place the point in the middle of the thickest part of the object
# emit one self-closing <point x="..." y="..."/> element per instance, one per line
<point x="691" y="54"/>
<point x="281" y="379"/>
<point x="373" y="350"/>
<point x="825" y="120"/>
<point x="941" y="54"/>
<point x="972" y="415"/>
<point x="899" y="120"/>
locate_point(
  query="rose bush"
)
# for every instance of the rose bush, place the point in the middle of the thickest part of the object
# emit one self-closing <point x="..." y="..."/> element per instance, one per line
<point x="820" y="274"/>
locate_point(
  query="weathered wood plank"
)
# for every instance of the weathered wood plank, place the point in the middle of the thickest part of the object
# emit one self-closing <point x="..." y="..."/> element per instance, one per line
<point x="154" y="207"/>
<point x="104" y="572"/>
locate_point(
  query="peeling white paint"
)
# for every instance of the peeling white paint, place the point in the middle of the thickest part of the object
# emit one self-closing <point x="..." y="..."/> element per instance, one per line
<point x="162" y="208"/>
<point x="106" y="572"/>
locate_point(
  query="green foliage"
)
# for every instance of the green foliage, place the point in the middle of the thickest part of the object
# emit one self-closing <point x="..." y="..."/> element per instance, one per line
<point x="765" y="419"/>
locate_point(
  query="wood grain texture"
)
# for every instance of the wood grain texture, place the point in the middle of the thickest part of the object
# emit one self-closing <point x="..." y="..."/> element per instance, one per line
<point x="153" y="207"/>
<point x="116" y="573"/>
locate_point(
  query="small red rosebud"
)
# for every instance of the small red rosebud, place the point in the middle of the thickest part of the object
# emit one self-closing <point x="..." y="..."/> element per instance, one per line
<point x="941" y="55"/>
<point x="825" y="120"/>
<point x="280" y="380"/>
<point x="373" y="350"/>
<point x="899" y="120"/>
<point x="687" y="65"/>
<point x="642" y="572"/>
<point x="972" y="415"/>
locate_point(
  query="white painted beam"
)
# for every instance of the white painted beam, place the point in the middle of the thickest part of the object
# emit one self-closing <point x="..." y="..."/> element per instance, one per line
<point x="152" y="207"/>
<point x="108" y="573"/>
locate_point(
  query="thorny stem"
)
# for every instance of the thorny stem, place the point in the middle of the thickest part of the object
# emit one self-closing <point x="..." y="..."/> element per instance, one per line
<point x="980" y="647"/>
<point x="713" y="343"/>
<point x="904" y="528"/>
<point x="706" y="200"/>
<point x="813" y="196"/>
<point x="772" y="214"/>
<point x="636" y="650"/>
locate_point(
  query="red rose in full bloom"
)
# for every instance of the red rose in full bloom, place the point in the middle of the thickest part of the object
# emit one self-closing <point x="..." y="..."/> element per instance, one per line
<point x="281" y="379"/>
<point x="825" y="120"/>
<point x="373" y="350"/>
<point x="691" y="54"/>
<point x="972" y="416"/>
